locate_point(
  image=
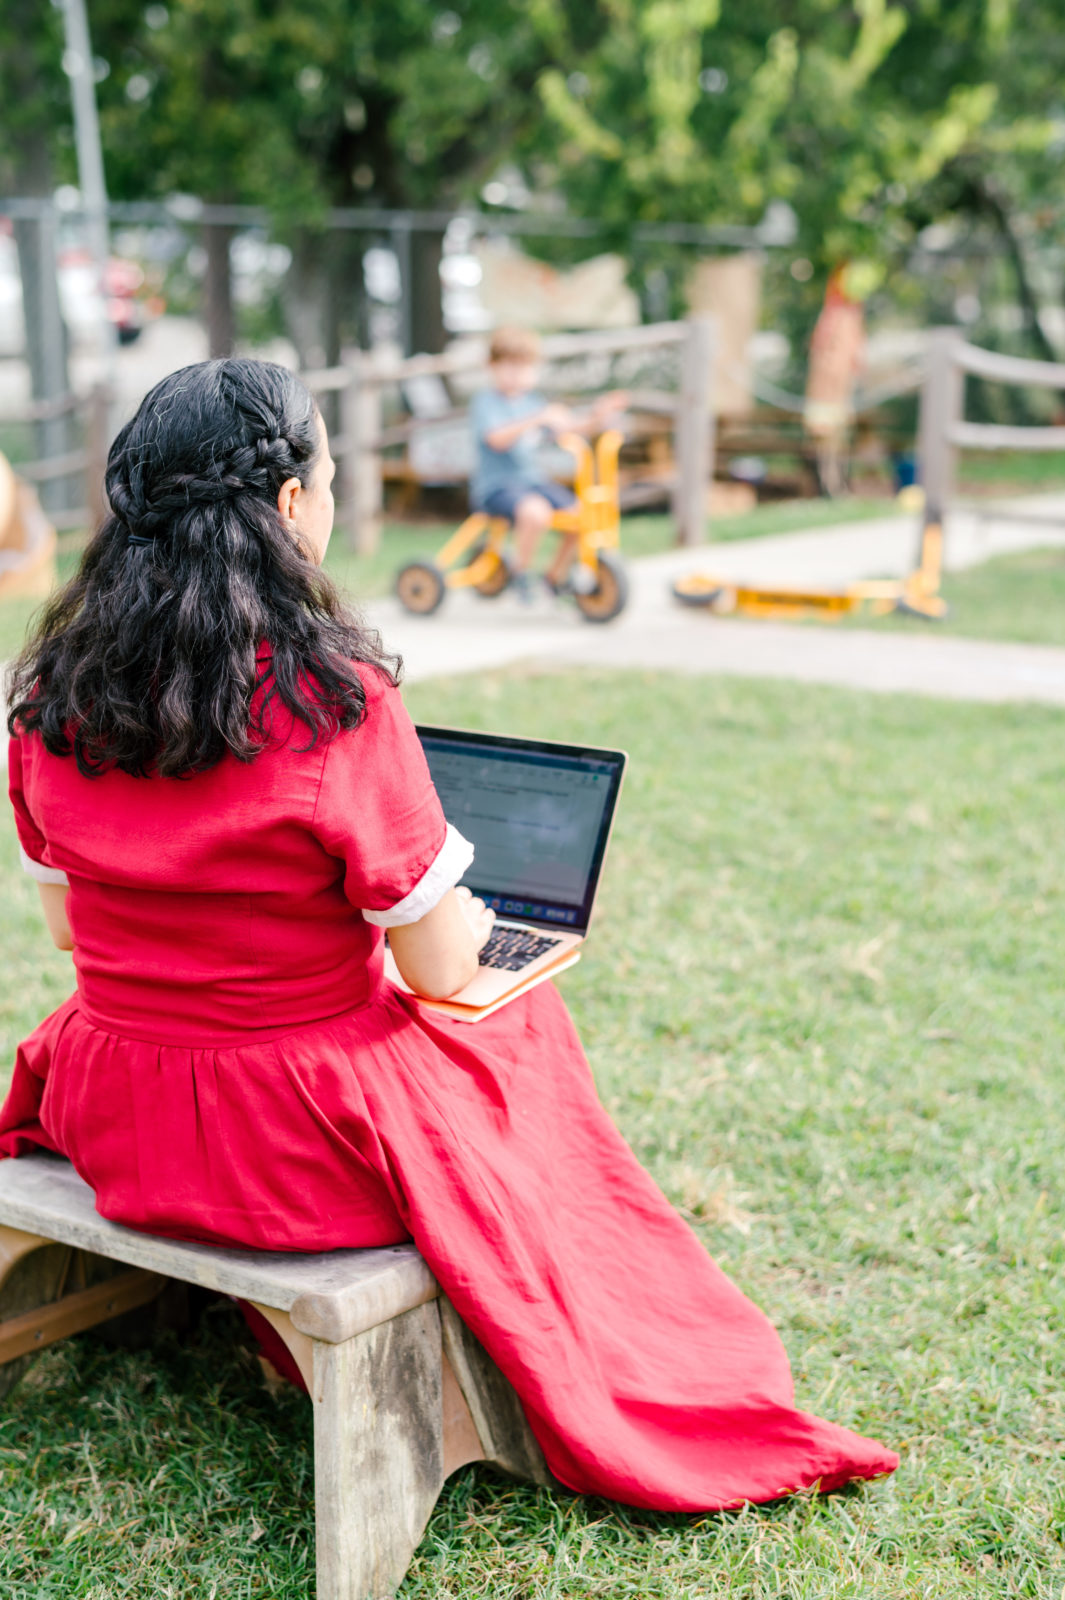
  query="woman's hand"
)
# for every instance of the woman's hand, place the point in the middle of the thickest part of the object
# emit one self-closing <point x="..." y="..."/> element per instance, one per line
<point x="479" y="917"/>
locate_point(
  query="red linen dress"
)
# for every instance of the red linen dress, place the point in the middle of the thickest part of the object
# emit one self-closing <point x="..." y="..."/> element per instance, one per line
<point x="233" y="1068"/>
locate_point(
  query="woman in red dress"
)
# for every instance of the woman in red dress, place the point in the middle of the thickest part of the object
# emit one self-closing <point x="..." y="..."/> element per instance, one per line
<point x="225" y="804"/>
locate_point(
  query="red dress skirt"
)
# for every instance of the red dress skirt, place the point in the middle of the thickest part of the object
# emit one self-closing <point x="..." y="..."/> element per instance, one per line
<point x="234" y="1069"/>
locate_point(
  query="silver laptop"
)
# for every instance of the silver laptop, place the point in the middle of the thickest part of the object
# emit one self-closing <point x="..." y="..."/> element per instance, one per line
<point x="538" y="815"/>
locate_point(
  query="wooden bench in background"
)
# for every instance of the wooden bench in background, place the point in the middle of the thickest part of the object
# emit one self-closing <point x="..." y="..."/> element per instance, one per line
<point x="403" y="1394"/>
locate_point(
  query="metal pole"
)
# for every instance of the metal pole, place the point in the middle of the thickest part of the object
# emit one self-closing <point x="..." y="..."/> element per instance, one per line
<point x="45" y="343"/>
<point x="78" y="66"/>
<point x="401" y="244"/>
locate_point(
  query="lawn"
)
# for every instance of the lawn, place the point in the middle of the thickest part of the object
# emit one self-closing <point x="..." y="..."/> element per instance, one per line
<point x="823" y="1001"/>
<point x="1019" y="597"/>
<point x="1010" y="472"/>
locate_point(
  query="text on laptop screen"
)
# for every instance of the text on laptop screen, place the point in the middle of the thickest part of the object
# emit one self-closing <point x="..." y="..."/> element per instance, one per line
<point x="536" y="822"/>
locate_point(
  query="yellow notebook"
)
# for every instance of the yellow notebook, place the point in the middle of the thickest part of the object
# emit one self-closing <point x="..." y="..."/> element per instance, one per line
<point x="450" y="1008"/>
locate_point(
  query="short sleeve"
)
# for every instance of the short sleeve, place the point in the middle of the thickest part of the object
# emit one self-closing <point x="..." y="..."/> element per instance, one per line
<point x="378" y="811"/>
<point x="33" y="847"/>
<point x="484" y="414"/>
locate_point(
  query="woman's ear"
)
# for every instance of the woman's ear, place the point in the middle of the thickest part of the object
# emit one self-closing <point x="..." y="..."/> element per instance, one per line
<point x="287" y="496"/>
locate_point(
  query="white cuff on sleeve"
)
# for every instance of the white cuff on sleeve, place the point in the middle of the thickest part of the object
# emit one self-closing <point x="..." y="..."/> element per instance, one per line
<point x="42" y="873"/>
<point x="454" y="857"/>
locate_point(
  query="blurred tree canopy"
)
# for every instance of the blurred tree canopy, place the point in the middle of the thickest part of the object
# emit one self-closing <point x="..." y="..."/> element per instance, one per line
<point x="871" y="120"/>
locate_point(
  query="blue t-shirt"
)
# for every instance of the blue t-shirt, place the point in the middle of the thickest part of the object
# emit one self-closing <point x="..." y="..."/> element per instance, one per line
<point x="517" y="467"/>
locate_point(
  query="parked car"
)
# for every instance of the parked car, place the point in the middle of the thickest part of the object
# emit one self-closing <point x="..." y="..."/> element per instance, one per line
<point x="129" y="307"/>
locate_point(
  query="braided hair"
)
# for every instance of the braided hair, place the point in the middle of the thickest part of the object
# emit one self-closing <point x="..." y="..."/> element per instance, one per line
<point x="151" y="657"/>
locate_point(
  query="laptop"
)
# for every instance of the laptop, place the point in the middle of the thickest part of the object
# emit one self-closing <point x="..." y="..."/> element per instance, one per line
<point x="538" y="815"/>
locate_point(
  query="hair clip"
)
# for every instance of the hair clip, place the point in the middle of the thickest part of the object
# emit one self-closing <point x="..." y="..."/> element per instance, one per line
<point x="140" y="539"/>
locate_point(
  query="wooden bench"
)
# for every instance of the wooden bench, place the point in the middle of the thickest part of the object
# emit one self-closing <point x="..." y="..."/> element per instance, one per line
<point x="403" y="1394"/>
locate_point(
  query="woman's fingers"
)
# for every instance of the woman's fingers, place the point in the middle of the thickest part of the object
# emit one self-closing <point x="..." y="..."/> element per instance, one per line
<point x="480" y="919"/>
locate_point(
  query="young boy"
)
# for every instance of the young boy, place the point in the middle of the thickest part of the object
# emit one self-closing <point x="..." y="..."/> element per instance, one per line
<point x="509" y="420"/>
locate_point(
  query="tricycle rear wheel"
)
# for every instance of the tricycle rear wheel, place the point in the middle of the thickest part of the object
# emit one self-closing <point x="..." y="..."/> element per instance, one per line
<point x="420" y="588"/>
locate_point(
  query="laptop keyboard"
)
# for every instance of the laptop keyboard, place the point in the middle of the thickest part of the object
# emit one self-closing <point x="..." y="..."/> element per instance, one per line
<point x="513" y="948"/>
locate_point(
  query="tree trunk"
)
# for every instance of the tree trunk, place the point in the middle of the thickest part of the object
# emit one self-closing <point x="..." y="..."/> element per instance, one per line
<point x="427" y="332"/>
<point x="998" y="210"/>
<point x="218" y="291"/>
<point x="303" y="296"/>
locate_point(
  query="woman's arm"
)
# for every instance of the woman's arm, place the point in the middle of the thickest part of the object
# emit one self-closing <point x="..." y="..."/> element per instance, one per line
<point x="437" y="955"/>
<point x="54" y="900"/>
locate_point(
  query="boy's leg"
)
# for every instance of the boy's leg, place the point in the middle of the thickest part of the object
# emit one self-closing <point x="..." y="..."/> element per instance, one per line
<point x="532" y="517"/>
<point x="558" y="571"/>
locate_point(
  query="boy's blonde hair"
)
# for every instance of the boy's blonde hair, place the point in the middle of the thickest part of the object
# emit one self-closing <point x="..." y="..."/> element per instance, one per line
<point x="514" y="344"/>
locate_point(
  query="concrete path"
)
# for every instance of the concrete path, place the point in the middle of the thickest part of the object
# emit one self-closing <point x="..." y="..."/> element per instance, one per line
<point x="470" y="634"/>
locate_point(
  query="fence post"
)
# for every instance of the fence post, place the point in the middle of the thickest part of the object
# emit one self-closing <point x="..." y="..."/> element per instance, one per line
<point x="694" y="431"/>
<point x="97" y="439"/>
<point x="360" y="466"/>
<point x="942" y="405"/>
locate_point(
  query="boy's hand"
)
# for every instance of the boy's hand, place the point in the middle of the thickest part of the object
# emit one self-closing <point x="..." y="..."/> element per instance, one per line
<point x="556" y="417"/>
<point x="608" y="405"/>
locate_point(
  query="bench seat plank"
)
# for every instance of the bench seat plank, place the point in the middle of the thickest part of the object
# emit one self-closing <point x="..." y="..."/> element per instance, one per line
<point x="331" y="1296"/>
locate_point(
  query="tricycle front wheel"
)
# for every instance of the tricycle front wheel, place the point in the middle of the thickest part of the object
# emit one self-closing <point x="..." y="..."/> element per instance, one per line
<point x="497" y="579"/>
<point x="611" y="593"/>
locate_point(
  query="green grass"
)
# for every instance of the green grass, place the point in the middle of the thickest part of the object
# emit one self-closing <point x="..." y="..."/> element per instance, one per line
<point x="1017" y="597"/>
<point x="1017" y="470"/>
<point x="824" y="1002"/>
<point x="794" y="516"/>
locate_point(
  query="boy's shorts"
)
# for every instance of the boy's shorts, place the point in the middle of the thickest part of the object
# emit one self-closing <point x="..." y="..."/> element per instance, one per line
<point x="503" y="502"/>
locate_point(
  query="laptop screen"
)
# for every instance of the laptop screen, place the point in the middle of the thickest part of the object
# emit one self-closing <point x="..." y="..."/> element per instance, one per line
<point x="537" y="814"/>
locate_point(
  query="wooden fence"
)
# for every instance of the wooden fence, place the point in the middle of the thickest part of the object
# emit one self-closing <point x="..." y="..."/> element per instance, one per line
<point x="91" y="416"/>
<point x="357" y="444"/>
<point x="943" y="430"/>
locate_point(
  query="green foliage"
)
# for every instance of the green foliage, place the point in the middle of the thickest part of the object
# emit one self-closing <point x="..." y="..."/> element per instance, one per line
<point x="822" y="1000"/>
<point x="871" y="120"/>
<point x="34" y="95"/>
<point x="303" y="108"/>
<point x="708" y="112"/>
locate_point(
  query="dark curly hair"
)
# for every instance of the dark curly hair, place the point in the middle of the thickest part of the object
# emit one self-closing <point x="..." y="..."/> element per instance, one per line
<point x="150" y="658"/>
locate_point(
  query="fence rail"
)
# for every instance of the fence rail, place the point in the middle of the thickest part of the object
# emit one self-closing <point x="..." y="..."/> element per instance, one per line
<point x="1007" y="369"/>
<point x="83" y="465"/>
<point x="1001" y="436"/>
<point x="943" y="430"/>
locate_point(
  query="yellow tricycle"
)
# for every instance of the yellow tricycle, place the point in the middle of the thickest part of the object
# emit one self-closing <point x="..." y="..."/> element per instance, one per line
<point x="475" y="555"/>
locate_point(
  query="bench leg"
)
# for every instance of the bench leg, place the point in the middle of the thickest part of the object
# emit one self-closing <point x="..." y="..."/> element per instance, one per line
<point x="32" y="1273"/>
<point x="378" y="1452"/>
<point x="49" y="1291"/>
<point x="507" y="1441"/>
<point x="396" y="1410"/>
